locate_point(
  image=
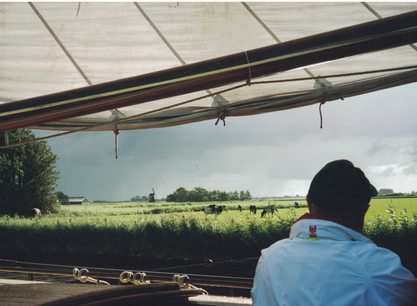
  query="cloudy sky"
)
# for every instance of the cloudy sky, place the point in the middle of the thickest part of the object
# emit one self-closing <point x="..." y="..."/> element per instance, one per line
<point x="275" y="154"/>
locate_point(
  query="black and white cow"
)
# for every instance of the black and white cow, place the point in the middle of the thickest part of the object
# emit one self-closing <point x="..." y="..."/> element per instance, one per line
<point x="214" y="209"/>
<point x="35" y="212"/>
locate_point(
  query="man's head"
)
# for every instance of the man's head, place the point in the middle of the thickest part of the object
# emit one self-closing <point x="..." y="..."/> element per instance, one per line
<point x="340" y="189"/>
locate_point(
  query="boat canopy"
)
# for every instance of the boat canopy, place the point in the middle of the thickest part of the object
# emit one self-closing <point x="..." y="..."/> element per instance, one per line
<point x="102" y="66"/>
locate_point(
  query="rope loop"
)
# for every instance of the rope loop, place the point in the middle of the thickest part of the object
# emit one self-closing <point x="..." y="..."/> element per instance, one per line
<point x="321" y="115"/>
<point x="222" y="117"/>
<point x="139" y="278"/>
<point x="134" y="278"/>
<point x="180" y="280"/>
<point x="221" y="103"/>
<point x="249" y="80"/>
<point x="126" y="277"/>
<point x="116" y="141"/>
<point x="82" y="276"/>
<point x="323" y="101"/>
<point x="323" y="85"/>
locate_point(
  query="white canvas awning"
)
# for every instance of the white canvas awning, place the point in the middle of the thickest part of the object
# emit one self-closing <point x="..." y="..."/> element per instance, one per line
<point x="48" y="48"/>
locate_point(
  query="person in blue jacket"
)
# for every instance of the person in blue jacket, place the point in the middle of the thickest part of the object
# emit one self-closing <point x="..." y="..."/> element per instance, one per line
<point x="327" y="260"/>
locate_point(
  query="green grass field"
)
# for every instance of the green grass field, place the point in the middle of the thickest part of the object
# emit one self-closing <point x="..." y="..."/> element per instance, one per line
<point x="381" y="206"/>
<point x="182" y="233"/>
<point x="132" y="213"/>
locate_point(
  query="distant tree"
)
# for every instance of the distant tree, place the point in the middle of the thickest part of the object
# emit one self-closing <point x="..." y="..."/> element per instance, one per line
<point x="171" y="198"/>
<point x="139" y="198"/>
<point x="28" y="175"/>
<point x="62" y="197"/>
<point x="234" y="196"/>
<point x="179" y="195"/>
<point x="385" y="191"/>
<point x="198" y="194"/>
<point x="214" y="195"/>
<point x="223" y="196"/>
<point x="182" y="194"/>
<point x="395" y="194"/>
<point x="245" y="195"/>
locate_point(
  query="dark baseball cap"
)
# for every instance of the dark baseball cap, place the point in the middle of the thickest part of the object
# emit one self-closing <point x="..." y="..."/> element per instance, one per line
<point x="340" y="182"/>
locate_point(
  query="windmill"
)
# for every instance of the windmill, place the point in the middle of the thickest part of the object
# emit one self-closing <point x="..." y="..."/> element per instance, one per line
<point x="152" y="196"/>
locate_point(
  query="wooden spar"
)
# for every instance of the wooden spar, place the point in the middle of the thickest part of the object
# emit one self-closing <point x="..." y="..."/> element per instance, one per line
<point x="367" y="37"/>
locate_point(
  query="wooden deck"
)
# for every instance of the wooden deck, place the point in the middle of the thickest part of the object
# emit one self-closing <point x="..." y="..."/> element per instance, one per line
<point x="30" y="293"/>
<point x="59" y="294"/>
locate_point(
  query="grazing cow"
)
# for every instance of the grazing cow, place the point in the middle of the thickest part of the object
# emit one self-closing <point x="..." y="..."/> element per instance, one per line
<point x="214" y="209"/>
<point x="269" y="209"/>
<point x="239" y="208"/>
<point x="252" y="209"/>
<point x="209" y="209"/>
<point x="219" y="209"/>
<point x="35" y="212"/>
<point x="296" y="205"/>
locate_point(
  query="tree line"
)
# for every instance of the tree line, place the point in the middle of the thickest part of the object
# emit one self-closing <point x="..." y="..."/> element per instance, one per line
<point x="139" y="198"/>
<point x="199" y="194"/>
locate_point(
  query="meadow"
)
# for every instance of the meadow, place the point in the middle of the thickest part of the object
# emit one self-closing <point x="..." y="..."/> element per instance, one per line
<point x="162" y="234"/>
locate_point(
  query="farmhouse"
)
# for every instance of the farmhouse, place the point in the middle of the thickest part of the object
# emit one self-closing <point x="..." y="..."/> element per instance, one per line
<point x="77" y="200"/>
